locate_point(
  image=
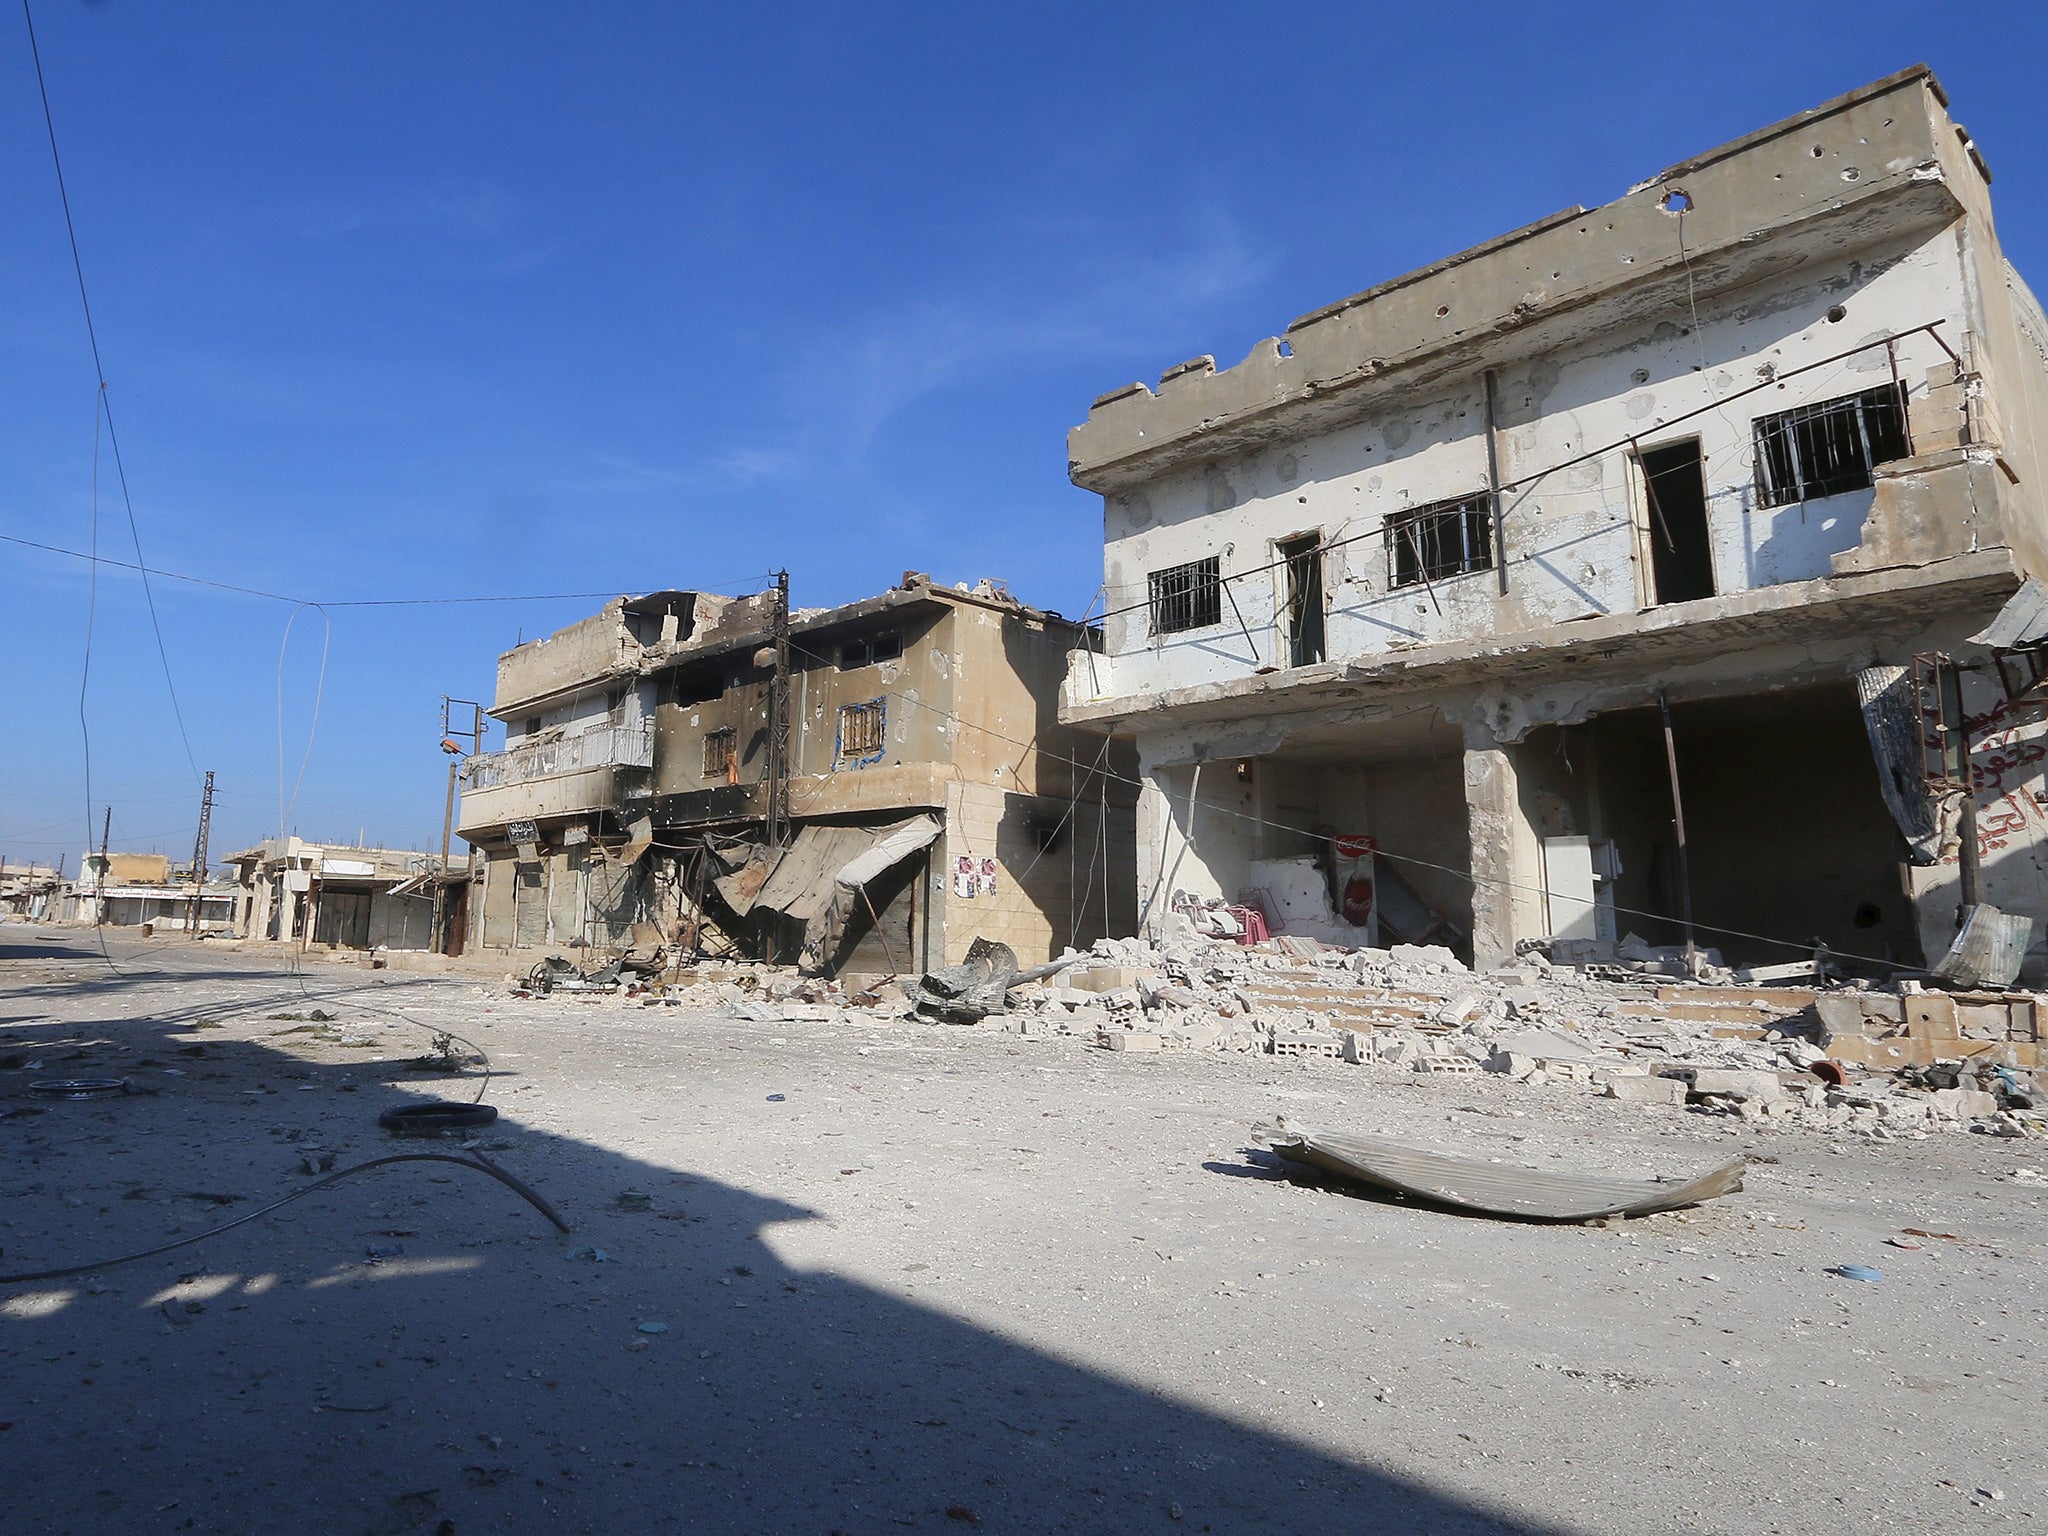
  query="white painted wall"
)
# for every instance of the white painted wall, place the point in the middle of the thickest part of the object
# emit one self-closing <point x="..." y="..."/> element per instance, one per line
<point x="1571" y="536"/>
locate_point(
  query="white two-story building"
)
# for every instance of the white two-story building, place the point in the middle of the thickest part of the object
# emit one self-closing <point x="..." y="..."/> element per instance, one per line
<point x="1435" y="567"/>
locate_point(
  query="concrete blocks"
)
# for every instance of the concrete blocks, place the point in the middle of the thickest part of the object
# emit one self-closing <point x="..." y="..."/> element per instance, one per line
<point x="1511" y="1063"/>
<point x="1128" y="1040"/>
<point x="1447" y="1066"/>
<point x="1646" y="1090"/>
<point x="1307" y="1043"/>
<point x="1963" y="1104"/>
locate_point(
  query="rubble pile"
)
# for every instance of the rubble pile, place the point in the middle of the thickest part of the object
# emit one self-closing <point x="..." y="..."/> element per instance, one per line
<point x="1849" y="1059"/>
<point x="1750" y="1053"/>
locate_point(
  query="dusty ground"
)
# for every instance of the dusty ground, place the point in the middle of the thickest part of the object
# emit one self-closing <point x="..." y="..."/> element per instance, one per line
<point x="912" y="1276"/>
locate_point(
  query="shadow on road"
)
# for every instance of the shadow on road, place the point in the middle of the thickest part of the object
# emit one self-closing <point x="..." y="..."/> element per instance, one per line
<point x="417" y="1351"/>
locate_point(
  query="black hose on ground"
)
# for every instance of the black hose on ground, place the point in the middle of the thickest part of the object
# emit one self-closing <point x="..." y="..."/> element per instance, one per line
<point x="477" y="1161"/>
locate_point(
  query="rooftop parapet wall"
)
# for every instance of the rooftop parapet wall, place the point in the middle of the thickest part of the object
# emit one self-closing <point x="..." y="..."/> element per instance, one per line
<point x="586" y="654"/>
<point x="1875" y="163"/>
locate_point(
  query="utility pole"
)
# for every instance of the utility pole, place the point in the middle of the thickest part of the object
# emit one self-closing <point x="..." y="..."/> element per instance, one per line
<point x="99" y="897"/>
<point x="453" y="746"/>
<point x="778" y="720"/>
<point x="199" y="856"/>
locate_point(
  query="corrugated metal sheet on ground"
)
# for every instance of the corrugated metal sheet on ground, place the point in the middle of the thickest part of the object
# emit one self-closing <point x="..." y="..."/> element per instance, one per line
<point x="1497" y="1189"/>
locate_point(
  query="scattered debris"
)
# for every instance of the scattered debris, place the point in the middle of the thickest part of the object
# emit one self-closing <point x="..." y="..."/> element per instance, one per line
<point x="1861" y="1272"/>
<point x="968" y="992"/>
<point x="80" y="1087"/>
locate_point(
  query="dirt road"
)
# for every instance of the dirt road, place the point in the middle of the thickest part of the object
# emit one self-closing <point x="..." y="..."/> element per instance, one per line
<point x="888" y="1276"/>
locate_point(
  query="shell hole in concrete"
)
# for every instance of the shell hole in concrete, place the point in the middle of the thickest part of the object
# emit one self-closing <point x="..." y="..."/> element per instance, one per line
<point x="1818" y="151"/>
<point x="1640" y="376"/>
<point x="1677" y="200"/>
<point x="1286" y="350"/>
<point x="1837" y="315"/>
<point x="1442" y="310"/>
<point x="1852" y="174"/>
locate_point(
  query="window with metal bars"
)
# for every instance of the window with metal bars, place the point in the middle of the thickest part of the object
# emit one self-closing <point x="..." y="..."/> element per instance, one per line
<point x="863" y="731"/>
<point x="1187" y="596"/>
<point x="721" y="754"/>
<point x="1443" y="539"/>
<point x="1826" y="449"/>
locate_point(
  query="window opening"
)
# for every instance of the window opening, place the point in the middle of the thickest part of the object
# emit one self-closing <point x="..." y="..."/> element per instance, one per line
<point x="1445" y="538"/>
<point x="869" y="649"/>
<point x="1681" y="553"/>
<point x="1303" y="563"/>
<point x="863" y="732"/>
<point x="1187" y="596"/>
<point x="722" y="756"/>
<point x="1826" y="449"/>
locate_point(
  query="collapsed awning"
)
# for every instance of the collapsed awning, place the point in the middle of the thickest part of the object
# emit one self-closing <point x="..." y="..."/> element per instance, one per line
<point x="2023" y="621"/>
<point x="889" y="847"/>
<point x="410" y="885"/>
<point x="800" y="885"/>
<point x="1891" y="718"/>
<point x="804" y="880"/>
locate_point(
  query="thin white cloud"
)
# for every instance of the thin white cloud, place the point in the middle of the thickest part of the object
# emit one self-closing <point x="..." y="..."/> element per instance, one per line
<point x="851" y="383"/>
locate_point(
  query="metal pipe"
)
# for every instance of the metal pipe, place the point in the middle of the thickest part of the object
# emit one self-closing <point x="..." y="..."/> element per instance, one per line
<point x="1500" y="539"/>
<point x="1678" y="822"/>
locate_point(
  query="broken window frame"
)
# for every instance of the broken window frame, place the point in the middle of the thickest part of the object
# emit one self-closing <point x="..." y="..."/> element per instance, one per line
<point x="721" y="754"/>
<point x="1304" y="603"/>
<point x="863" y="734"/>
<point x="1829" y="448"/>
<point x="1186" y="597"/>
<point x="867" y="650"/>
<point x="1440" y="540"/>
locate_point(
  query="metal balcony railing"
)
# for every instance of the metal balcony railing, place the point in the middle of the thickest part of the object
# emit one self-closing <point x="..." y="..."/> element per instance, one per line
<point x="603" y="746"/>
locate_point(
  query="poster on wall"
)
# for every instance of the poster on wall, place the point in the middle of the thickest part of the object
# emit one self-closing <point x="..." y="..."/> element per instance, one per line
<point x="963" y="876"/>
<point x="988" y="877"/>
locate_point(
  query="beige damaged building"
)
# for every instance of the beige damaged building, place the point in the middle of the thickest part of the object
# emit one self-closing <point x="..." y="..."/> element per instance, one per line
<point x="923" y="761"/>
<point x="1426" y="569"/>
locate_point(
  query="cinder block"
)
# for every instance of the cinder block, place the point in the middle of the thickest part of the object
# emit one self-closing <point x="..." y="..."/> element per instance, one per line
<point x="1931" y="1016"/>
<point x="1646" y="1090"/>
<point x="1447" y="1066"/>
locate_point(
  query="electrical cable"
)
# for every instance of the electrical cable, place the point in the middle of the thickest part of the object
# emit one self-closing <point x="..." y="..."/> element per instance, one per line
<point x="359" y="602"/>
<point x="477" y="1162"/>
<point x="1521" y="481"/>
<point x="319" y="691"/>
<point x="105" y="406"/>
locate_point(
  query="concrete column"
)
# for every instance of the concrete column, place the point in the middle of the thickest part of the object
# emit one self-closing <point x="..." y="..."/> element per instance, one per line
<point x="1506" y="857"/>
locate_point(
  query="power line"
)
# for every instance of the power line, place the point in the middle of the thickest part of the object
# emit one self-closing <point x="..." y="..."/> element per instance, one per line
<point x="105" y="405"/>
<point x="355" y="602"/>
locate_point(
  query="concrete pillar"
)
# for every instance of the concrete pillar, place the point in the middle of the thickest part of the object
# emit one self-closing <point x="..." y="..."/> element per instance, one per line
<point x="1506" y="856"/>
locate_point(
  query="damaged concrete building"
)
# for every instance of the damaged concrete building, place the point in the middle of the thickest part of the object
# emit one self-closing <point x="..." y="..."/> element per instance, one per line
<point x="867" y="788"/>
<point x="336" y="896"/>
<point x="1626" y="561"/>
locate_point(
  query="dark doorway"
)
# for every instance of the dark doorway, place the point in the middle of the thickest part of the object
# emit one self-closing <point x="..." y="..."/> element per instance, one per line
<point x="343" y="920"/>
<point x="1681" y="559"/>
<point x="1304" y="565"/>
<point x="1789" y="842"/>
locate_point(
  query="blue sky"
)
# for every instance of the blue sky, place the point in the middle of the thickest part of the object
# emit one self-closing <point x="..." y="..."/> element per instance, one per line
<point x="403" y="301"/>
